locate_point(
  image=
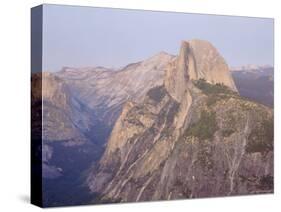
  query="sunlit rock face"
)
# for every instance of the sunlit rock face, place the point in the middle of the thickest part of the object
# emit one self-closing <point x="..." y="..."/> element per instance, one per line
<point x="197" y="59"/>
<point x="193" y="136"/>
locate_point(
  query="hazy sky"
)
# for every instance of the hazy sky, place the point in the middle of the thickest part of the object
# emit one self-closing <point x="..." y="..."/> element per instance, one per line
<point x="87" y="36"/>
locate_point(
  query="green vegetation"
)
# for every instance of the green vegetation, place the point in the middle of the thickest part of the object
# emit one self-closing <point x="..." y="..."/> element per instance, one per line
<point x="214" y="92"/>
<point x="157" y="93"/>
<point x="261" y="137"/>
<point x="213" y="98"/>
<point x="209" y="89"/>
<point x="205" y="127"/>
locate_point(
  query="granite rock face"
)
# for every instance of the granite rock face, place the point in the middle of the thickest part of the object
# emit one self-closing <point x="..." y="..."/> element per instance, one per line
<point x="107" y="90"/>
<point x="80" y="105"/>
<point x="193" y="136"/>
<point x="59" y="108"/>
<point x="210" y="65"/>
<point x="197" y="60"/>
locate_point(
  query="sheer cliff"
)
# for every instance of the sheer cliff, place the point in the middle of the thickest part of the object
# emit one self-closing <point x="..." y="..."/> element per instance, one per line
<point x="193" y="136"/>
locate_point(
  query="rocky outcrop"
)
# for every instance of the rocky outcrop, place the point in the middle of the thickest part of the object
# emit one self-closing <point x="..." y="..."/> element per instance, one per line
<point x="210" y="65"/>
<point x="224" y="149"/>
<point x="60" y="110"/>
<point x="193" y="136"/>
<point x="197" y="60"/>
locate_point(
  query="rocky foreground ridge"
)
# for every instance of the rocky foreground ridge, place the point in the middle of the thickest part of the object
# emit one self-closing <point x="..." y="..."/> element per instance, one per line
<point x="192" y="136"/>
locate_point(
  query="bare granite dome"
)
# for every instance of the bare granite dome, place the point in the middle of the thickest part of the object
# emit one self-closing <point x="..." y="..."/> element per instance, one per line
<point x="197" y="59"/>
<point x="210" y="65"/>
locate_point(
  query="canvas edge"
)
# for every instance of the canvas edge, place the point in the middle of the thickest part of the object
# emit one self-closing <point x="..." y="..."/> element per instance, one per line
<point x="36" y="139"/>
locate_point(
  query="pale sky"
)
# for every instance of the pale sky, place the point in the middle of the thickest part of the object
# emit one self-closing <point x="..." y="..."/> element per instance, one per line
<point x="87" y="36"/>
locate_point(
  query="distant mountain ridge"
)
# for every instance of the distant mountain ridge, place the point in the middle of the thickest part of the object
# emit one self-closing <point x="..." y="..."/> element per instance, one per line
<point x="106" y="91"/>
<point x="251" y="67"/>
<point x="255" y="83"/>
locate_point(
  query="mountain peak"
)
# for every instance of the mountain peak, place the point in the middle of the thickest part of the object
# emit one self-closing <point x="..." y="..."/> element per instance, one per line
<point x="161" y="53"/>
<point x="197" y="59"/>
<point x="210" y="65"/>
<point x="160" y="57"/>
